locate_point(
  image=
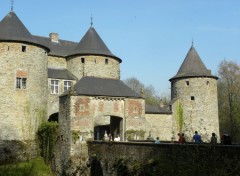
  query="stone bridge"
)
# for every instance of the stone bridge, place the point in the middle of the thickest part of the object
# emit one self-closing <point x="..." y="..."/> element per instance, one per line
<point x="148" y="158"/>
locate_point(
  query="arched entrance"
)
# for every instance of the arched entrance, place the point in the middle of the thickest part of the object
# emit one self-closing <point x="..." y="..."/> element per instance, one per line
<point x="53" y="117"/>
<point x="114" y="127"/>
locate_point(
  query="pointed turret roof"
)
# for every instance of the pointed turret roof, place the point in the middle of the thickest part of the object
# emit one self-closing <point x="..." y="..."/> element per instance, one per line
<point x="92" y="44"/>
<point x="192" y="66"/>
<point x="12" y="29"/>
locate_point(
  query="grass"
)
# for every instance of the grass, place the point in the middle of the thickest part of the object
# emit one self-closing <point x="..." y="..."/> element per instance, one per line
<point x="34" y="167"/>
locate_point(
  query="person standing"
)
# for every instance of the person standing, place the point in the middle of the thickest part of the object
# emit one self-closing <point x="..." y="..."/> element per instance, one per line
<point x="157" y="141"/>
<point x="213" y="139"/>
<point x="197" y="138"/>
<point x="180" y="138"/>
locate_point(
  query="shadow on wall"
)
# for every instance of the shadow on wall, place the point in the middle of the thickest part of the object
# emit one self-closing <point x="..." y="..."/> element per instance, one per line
<point x="12" y="151"/>
<point x="96" y="169"/>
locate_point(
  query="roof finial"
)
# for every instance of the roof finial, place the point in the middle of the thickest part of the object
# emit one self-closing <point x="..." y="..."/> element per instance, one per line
<point x="192" y="42"/>
<point x="12" y="1"/>
<point x="91" y="20"/>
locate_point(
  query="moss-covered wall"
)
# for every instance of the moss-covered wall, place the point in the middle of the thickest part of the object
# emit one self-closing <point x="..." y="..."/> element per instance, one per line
<point x="127" y="158"/>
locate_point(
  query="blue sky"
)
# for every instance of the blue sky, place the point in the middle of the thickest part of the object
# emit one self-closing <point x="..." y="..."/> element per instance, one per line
<point x="152" y="37"/>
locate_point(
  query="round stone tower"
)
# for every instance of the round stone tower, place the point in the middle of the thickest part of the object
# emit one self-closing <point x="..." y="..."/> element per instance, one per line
<point x="195" y="89"/>
<point x="23" y="80"/>
<point x="91" y="57"/>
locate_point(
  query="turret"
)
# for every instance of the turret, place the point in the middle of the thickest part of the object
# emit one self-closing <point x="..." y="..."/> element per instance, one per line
<point x="92" y="57"/>
<point x="23" y="80"/>
<point x="196" y="89"/>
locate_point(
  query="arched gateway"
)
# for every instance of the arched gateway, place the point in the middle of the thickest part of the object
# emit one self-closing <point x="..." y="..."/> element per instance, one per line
<point x="112" y="128"/>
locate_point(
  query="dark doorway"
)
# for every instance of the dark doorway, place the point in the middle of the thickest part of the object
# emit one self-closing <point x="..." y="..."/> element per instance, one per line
<point x="53" y="118"/>
<point x="100" y="130"/>
<point x="115" y="126"/>
<point x="96" y="169"/>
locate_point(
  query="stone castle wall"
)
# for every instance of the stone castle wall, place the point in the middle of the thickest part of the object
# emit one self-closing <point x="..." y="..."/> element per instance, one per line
<point x="160" y="125"/>
<point x="97" y="66"/>
<point x="22" y="110"/>
<point x="198" y="97"/>
<point x="53" y="99"/>
<point x="57" y="62"/>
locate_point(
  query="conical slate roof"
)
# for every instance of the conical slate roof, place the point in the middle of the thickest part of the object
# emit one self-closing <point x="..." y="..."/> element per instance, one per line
<point x="192" y="66"/>
<point x="12" y="29"/>
<point x="91" y="43"/>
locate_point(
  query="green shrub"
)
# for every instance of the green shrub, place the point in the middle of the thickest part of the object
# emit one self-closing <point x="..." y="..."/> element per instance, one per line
<point x="47" y="137"/>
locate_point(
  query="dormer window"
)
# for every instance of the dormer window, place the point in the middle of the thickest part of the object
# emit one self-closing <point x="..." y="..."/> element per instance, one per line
<point x="106" y="61"/>
<point x="82" y="60"/>
<point x="24" y="48"/>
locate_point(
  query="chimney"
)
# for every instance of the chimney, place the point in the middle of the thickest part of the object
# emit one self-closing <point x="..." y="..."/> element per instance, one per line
<point x="54" y="37"/>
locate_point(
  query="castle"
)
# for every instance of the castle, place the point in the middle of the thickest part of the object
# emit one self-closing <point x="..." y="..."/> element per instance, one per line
<point x="78" y="85"/>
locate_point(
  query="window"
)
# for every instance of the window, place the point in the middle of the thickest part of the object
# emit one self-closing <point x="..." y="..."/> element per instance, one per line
<point x="67" y="85"/>
<point x="106" y="61"/>
<point x="54" y="87"/>
<point x="192" y="98"/>
<point x="187" y="83"/>
<point x="24" y="48"/>
<point x="21" y="83"/>
<point x="83" y="60"/>
<point x="208" y="83"/>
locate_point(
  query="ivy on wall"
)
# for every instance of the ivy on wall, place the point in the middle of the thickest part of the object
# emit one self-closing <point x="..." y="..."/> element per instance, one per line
<point x="47" y="137"/>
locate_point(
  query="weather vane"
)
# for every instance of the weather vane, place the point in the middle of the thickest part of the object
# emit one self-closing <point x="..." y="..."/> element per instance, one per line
<point x="12" y="1"/>
<point x="91" y="20"/>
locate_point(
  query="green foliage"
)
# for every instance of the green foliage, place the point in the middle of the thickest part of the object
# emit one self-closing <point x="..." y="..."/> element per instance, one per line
<point x="34" y="167"/>
<point x="179" y="116"/>
<point x="75" y="136"/>
<point x="229" y="98"/>
<point x="47" y="137"/>
<point x="130" y="134"/>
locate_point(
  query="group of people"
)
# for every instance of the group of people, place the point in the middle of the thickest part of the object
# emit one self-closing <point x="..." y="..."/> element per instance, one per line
<point x="197" y="139"/>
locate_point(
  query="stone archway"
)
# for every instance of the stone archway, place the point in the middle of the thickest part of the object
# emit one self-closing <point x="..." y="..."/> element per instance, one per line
<point x="107" y="125"/>
<point x="53" y="117"/>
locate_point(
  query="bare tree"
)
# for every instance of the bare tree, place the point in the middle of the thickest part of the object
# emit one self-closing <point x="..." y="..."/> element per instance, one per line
<point x="229" y="97"/>
<point x="150" y="94"/>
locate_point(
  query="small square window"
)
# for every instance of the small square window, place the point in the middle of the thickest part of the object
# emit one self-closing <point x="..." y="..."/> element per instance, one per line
<point x="83" y="60"/>
<point x="187" y="83"/>
<point x="192" y="98"/>
<point x="208" y="83"/>
<point x="21" y="83"/>
<point x="24" y="48"/>
<point x="106" y="61"/>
